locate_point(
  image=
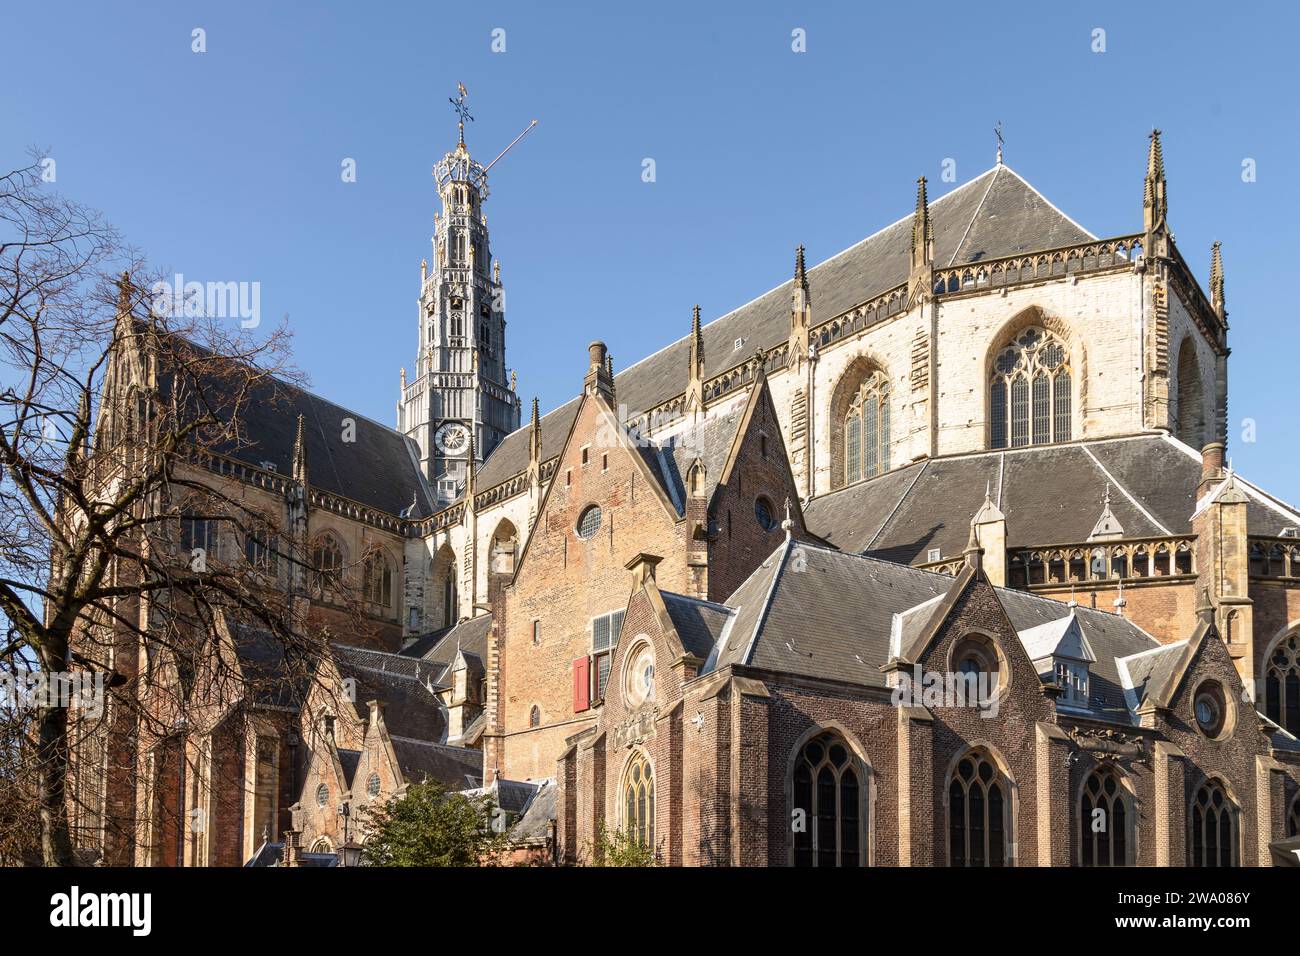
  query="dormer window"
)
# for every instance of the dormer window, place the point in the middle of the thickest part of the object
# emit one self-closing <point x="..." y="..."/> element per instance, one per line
<point x="1061" y="655"/>
<point x="1072" y="678"/>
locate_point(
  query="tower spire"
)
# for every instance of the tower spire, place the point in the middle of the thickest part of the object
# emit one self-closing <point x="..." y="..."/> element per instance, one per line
<point x="462" y="383"/>
<point x="1216" y="282"/>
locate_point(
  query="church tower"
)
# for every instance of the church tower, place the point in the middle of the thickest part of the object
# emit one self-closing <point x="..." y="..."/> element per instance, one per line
<point x="460" y="384"/>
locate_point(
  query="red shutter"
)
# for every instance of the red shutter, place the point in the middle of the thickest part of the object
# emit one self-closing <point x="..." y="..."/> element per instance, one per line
<point x="581" y="684"/>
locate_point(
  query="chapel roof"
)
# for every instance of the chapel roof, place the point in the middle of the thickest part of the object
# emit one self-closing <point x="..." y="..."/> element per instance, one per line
<point x="813" y="611"/>
<point x="1050" y="494"/>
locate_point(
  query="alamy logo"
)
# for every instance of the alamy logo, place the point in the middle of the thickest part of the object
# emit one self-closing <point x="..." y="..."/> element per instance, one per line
<point x="947" y="689"/>
<point x="74" y="909"/>
<point x="213" y="300"/>
<point x="31" y="690"/>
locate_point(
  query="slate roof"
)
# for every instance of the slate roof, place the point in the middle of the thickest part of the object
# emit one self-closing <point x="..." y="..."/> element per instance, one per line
<point x="272" y="854"/>
<point x="438" y="650"/>
<point x="512" y="796"/>
<point x="423" y="760"/>
<point x="996" y="214"/>
<point x="380" y="468"/>
<point x="698" y="623"/>
<point x="273" y="679"/>
<point x="402" y="684"/>
<point x="818" y="612"/>
<point x="535" y="825"/>
<point x="1050" y="494"/>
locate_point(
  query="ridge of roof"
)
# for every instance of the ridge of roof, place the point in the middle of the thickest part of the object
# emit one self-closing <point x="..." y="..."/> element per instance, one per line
<point x="975" y="215"/>
<point x="783" y="550"/>
<point x="1124" y="491"/>
<point x="1055" y="208"/>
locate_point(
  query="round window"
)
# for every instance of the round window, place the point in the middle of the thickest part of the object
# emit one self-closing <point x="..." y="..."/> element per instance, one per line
<point x="322" y="795"/>
<point x="641" y="676"/>
<point x="589" y="523"/>
<point x="1210" y="709"/>
<point x="763" y="513"/>
<point x="977" y="659"/>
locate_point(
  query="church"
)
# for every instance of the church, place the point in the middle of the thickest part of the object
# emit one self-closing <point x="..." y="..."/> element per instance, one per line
<point x="720" y="599"/>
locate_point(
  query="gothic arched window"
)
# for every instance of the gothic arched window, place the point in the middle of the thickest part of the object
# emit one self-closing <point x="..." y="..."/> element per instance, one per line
<point x="639" y="801"/>
<point x="1029" y="392"/>
<point x="1214" y="827"/>
<point x="1293" y="818"/>
<point x="1282" y="685"/>
<point x="1105" y="823"/>
<point x="866" y="430"/>
<point x="979" y="813"/>
<point x="378" y="574"/>
<point x="327" y="562"/>
<point x="829" y="796"/>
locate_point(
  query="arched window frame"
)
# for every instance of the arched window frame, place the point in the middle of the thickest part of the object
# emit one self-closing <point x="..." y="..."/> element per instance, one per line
<point x="377" y="578"/>
<point x="1212" y="816"/>
<point x="992" y="819"/>
<point x="1117" y="843"/>
<point x="637" y="799"/>
<point x="825" y="737"/>
<point x="1031" y="391"/>
<point x="327" y="561"/>
<point x="1282" y="683"/>
<point x="866" y="430"/>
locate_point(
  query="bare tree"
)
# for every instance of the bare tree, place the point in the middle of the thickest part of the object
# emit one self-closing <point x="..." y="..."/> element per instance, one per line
<point x="121" y="422"/>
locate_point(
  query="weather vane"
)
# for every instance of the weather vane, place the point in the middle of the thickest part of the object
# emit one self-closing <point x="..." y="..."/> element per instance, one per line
<point x="997" y="131"/>
<point x="458" y="104"/>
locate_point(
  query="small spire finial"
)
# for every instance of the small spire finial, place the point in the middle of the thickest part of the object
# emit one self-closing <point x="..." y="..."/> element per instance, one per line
<point x="1204" y="607"/>
<point x="922" y="231"/>
<point x="1216" y="281"/>
<point x="997" y="131"/>
<point x="514" y="380"/>
<point x="300" y="452"/>
<point x="800" y="272"/>
<point x="1155" y="202"/>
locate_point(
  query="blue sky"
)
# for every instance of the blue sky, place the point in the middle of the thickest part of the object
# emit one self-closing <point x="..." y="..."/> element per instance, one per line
<point x="226" y="165"/>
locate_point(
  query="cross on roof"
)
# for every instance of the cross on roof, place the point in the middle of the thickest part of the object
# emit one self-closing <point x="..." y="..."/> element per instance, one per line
<point x="458" y="104"/>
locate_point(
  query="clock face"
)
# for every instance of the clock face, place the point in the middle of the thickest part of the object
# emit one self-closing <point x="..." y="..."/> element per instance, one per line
<point x="451" y="438"/>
